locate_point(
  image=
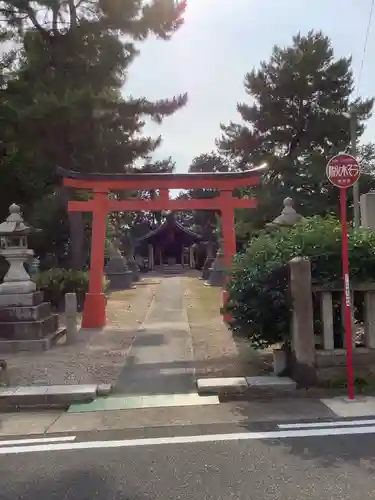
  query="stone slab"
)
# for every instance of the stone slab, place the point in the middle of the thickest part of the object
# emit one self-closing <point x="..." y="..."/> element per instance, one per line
<point x="361" y="406"/>
<point x="120" y="281"/>
<point x="25" y="313"/>
<point x="21" y="299"/>
<point x="43" y="344"/>
<point x="146" y="401"/>
<point x="222" y="385"/>
<point x="46" y="396"/>
<point x="28" y="330"/>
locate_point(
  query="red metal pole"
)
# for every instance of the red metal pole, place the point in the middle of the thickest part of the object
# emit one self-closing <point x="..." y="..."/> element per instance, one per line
<point x="347" y="305"/>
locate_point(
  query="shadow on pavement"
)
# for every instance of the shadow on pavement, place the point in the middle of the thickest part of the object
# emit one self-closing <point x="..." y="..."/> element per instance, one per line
<point x="331" y="451"/>
<point x="78" y="485"/>
<point x="322" y="451"/>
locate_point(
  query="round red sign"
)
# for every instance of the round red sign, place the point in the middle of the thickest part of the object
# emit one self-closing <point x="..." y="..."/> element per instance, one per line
<point x="343" y="170"/>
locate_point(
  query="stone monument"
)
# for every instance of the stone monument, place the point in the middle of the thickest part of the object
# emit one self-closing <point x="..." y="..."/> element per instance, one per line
<point x="117" y="270"/>
<point x="26" y="322"/>
<point x="128" y="249"/>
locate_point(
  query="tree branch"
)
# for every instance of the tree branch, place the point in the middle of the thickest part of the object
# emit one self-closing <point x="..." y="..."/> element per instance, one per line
<point x="32" y="16"/>
<point x="73" y="14"/>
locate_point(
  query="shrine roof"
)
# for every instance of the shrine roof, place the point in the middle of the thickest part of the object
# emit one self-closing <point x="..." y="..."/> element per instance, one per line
<point x="170" y="222"/>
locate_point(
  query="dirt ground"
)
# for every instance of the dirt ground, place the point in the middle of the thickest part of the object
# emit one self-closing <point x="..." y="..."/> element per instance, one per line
<point x="215" y="351"/>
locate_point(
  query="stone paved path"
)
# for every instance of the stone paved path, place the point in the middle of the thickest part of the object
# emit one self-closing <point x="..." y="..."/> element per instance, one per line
<point x="161" y="360"/>
<point x="160" y="335"/>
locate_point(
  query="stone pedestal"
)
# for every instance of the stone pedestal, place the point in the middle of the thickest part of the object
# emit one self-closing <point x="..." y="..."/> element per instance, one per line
<point x="208" y="263"/>
<point x="133" y="267"/>
<point x="27" y="323"/>
<point x="117" y="271"/>
<point x="217" y="271"/>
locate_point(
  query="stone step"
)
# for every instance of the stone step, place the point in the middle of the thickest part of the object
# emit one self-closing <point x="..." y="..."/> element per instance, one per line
<point x="29" y="330"/>
<point x="61" y="396"/>
<point x="42" y="344"/>
<point x="25" y="313"/>
<point x="265" y="385"/>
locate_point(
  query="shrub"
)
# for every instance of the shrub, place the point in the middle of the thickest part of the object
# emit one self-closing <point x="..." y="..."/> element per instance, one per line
<point x="259" y="302"/>
<point x="55" y="283"/>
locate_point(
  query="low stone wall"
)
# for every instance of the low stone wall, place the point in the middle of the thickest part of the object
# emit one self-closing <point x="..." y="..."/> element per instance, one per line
<point x="331" y="365"/>
<point x="318" y="333"/>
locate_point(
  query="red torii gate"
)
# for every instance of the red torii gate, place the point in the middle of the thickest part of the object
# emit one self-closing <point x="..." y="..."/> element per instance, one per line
<point x="94" y="313"/>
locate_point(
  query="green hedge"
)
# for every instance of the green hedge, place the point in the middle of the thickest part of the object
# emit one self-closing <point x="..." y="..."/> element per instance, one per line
<point x="259" y="301"/>
<point x="55" y="283"/>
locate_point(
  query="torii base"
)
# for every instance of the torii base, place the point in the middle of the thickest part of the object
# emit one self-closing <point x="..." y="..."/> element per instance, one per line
<point x="94" y="315"/>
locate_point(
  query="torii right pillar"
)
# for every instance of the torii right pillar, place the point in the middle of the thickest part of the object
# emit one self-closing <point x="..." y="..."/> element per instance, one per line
<point x="229" y="236"/>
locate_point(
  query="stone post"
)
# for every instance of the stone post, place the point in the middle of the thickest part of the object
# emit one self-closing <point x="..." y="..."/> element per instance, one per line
<point x="191" y="257"/>
<point x="71" y="317"/>
<point x="303" y="338"/>
<point x="367" y="202"/>
<point x="150" y="257"/>
<point x="370" y="319"/>
<point x="327" y="319"/>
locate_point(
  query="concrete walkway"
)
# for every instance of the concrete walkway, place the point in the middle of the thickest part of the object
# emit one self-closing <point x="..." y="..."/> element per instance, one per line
<point x="161" y="359"/>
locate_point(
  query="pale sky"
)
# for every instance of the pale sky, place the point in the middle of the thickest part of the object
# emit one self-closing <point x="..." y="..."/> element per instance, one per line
<point x="219" y="43"/>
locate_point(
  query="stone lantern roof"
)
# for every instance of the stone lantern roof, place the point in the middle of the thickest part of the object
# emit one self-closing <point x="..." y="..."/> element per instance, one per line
<point x="14" y="224"/>
<point x="288" y="217"/>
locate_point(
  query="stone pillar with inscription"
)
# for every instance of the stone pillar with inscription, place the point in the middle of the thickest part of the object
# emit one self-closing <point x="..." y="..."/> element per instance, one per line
<point x="367" y="202"/>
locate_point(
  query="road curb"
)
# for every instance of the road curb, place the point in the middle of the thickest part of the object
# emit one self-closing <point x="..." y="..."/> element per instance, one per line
<point x="50" y="397"/>
<point x="270" y="386"/>
<point x="266" y="387"/>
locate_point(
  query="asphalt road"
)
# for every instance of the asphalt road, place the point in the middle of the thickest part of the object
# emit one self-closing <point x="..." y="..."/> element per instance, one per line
<point x="327" y="467"/>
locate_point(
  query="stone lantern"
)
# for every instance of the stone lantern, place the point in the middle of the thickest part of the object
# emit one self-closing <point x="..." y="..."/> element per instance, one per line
<point x="117" y="270"/>
<point x="217" y="270"/>
<point x="288" y="217"/>
<point x="26" y="322"/>
<point x="13" y="234"/>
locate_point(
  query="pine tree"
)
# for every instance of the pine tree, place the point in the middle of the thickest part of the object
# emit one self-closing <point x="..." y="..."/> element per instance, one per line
<point x="296" y="121"/>
<point x="67" y="91"/>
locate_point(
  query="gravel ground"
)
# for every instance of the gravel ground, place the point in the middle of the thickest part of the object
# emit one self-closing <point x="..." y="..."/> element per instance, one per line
<point x="97" y="356"/>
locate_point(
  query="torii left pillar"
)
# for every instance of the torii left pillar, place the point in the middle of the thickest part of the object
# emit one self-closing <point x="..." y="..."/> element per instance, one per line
<point x="94" y="311"/>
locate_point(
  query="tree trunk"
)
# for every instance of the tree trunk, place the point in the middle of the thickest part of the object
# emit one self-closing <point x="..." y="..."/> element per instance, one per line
<point x="76" y="257"/>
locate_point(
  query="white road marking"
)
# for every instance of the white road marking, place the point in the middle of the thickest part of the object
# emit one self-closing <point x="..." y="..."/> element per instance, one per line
<point x="208" y="438"/>
<point x="61" y="439"/>
<point x="337" y="423"/>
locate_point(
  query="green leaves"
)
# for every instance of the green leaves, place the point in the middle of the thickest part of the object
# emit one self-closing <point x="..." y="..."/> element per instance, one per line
<point x="258" y="291"/>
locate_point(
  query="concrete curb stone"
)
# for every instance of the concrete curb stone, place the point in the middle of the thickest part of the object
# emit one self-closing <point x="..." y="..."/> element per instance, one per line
<point x="257" y="386"/>
<point x="47" y="397"/>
